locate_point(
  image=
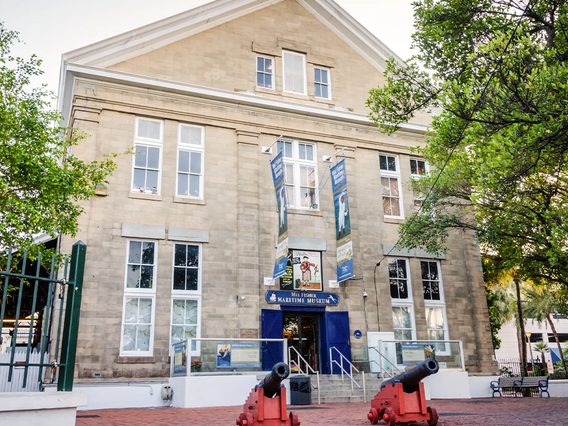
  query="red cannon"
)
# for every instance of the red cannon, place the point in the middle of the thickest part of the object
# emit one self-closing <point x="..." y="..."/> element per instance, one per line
<point x="402" y="399"/>
<point x="266" y="403"/>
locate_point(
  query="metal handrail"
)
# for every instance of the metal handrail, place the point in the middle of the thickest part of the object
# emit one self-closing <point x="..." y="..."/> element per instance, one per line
<point x="393" y="366"/>
<point x="309" y="368"/>
<point x="350" y="373"/>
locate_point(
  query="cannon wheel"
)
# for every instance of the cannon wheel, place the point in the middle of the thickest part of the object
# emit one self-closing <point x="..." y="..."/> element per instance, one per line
<point x="373" y="416"/>
<point x="248" y="421"/>
<point x="240" y="419"/>
<point x="433" y="416"/>
<point x="389" y="416"/>
<point x="294" y="419"/>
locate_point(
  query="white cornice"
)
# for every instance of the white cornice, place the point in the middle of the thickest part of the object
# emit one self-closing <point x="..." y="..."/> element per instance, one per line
<point x="237" y="98"/>
<point x="163" y="32"/>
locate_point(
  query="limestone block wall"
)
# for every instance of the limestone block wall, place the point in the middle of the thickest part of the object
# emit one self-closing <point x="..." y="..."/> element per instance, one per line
<point x="239" y="213"/>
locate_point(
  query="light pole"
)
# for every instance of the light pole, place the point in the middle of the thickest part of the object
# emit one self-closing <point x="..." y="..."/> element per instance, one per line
<point x="528" y="333"/>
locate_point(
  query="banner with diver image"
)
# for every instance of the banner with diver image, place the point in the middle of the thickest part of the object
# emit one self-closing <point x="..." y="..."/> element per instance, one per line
<point x="277" y="166"/>
<point x="342" y="222"/>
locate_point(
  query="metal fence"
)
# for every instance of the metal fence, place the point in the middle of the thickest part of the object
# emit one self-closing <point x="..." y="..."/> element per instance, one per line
<point x="512" y="367"/>
<point x="39" y="319"/>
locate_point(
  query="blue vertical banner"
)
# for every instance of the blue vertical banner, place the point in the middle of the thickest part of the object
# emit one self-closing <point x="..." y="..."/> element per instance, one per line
<point x="342" y="222"/>
<point x="277" y="166"/>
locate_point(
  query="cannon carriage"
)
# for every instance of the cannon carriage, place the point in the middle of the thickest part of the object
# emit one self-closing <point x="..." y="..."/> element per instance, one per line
<point x="266" y="403"/>
<point x="402" y="398"/>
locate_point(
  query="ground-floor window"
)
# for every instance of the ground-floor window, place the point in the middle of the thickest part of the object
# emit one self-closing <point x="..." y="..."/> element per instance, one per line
<point x="186" y="321"/>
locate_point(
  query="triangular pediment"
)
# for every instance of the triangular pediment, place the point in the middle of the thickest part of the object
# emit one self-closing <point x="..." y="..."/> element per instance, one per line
<point x="161" y="33"/>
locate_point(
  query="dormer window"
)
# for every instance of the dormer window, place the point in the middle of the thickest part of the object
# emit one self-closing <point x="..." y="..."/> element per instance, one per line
<point x="294" y="70"/>
<point x="322" y="87"/>
<point x="265" y="72"/>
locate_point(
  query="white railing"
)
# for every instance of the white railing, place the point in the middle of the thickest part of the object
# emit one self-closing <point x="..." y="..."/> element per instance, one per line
<point x="448" y="353"/>
<point x="309" y="368"/>
<point x="344" y="372"/>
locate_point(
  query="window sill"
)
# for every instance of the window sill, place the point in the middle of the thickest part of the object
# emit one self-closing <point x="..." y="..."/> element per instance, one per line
<point x="184" y="200"/>
<point x="264" y="90"/>
<point x="393" y="220"/>
<point x="141" y="196"/>
<point x="306" y="212"/>
<point x="136" y="360"/>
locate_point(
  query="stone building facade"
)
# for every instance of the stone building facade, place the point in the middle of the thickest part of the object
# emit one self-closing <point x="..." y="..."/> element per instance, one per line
<point x="181" y="242"/>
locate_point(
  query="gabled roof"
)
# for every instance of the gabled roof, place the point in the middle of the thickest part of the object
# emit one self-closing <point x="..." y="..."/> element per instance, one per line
<point x="92" y="60"/>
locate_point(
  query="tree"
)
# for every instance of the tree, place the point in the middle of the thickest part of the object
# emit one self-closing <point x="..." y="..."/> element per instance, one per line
<point x="540" y="304"/>
<point x="542" y="348"/>
<point x="497" y="72"/>
<point x="41" y="181"/>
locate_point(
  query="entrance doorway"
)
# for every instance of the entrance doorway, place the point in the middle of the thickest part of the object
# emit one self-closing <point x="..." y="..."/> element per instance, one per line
<point x="302" y="332"/>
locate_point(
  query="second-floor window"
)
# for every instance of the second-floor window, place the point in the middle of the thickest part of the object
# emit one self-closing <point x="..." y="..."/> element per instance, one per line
<point x="148" y="141"/>
<point x="390" y="183"/>
<point x="418" y="168"/>
<point x="300" y="168"/>
<point x="190" y="161"/>
<point x="294" y="71"/>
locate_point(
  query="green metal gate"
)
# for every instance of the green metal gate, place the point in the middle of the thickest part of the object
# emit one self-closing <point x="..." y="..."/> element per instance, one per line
<point x="57" y="336"/>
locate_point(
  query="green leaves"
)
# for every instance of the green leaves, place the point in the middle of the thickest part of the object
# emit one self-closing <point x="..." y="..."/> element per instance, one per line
<point x="41" y="181"/>
<point x="499" y="72"/>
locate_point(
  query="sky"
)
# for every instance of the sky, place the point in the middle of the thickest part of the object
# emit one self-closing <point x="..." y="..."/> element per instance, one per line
<point x="50" y="28"/>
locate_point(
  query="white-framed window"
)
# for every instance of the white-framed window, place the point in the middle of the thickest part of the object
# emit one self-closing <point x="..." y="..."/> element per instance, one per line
<point x="418" y="168"/>
<point x="398" y="279"/>
<point x="300" y="172"/>
<point x="147" y="160"/>
<point x="265" y="72"/>
<point x="294" y="72"/>
<point x="190" y="162"/>
<point x="187" y="268"/>
<point x="403" y="322"/>
<point x="390" y="183"/>
<point x="186" y="319"/>
<point x="137" y="336"/>
<point x="436" y="323"/>
<point x="186" y="298"/>
<point x="322" y="83"/>
<point x="401" y="299"/>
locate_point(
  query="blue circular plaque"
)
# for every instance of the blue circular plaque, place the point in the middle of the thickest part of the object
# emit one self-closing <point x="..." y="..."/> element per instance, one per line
<point x="357" y="334"/>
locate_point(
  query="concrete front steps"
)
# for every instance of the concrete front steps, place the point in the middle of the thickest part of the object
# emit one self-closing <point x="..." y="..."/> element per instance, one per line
<point x="333" y="390"/>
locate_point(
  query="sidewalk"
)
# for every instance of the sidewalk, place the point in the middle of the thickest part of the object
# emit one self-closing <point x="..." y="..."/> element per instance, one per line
<point x="486" y="411"/>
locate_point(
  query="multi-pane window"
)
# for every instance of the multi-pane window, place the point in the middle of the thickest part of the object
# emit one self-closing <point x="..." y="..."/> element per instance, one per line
<point x="139" y="298"/>
<point x="402" y="322"/>
<point x="190" y="161"/>
<point x="300" y="169"/>
<point x="434" y="303"/>
<point x="430" y="280"/>
<point x="148" y="142"/>
<point x="186" y="267"/>
<point x="398" y="279"/>
<point x="322" y="88"/>
<point x="418" y="168"/>
<point x="186" y="299"/>
<point x="185" y="321"/>
<point x="294" y="71"/>
<point x="140" y="269"/>
<point x="401" y="299"/>
<point x="137" y="324"/>
<point x="390" y="183"/>
<point x="265" y="72"/>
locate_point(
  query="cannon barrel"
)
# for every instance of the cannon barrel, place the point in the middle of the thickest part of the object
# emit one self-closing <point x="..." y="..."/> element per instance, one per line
<point x="271" y="382"/>
<point x="411" y="378"/>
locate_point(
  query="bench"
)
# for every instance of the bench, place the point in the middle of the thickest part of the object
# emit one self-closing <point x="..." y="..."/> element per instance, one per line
<point x="539" y="383"/>
<point x="505" y="383"/>
<point x="517" y="384"/>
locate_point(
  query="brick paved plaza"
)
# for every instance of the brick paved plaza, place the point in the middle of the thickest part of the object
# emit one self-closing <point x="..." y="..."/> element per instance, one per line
<point x="488" y="411"/>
